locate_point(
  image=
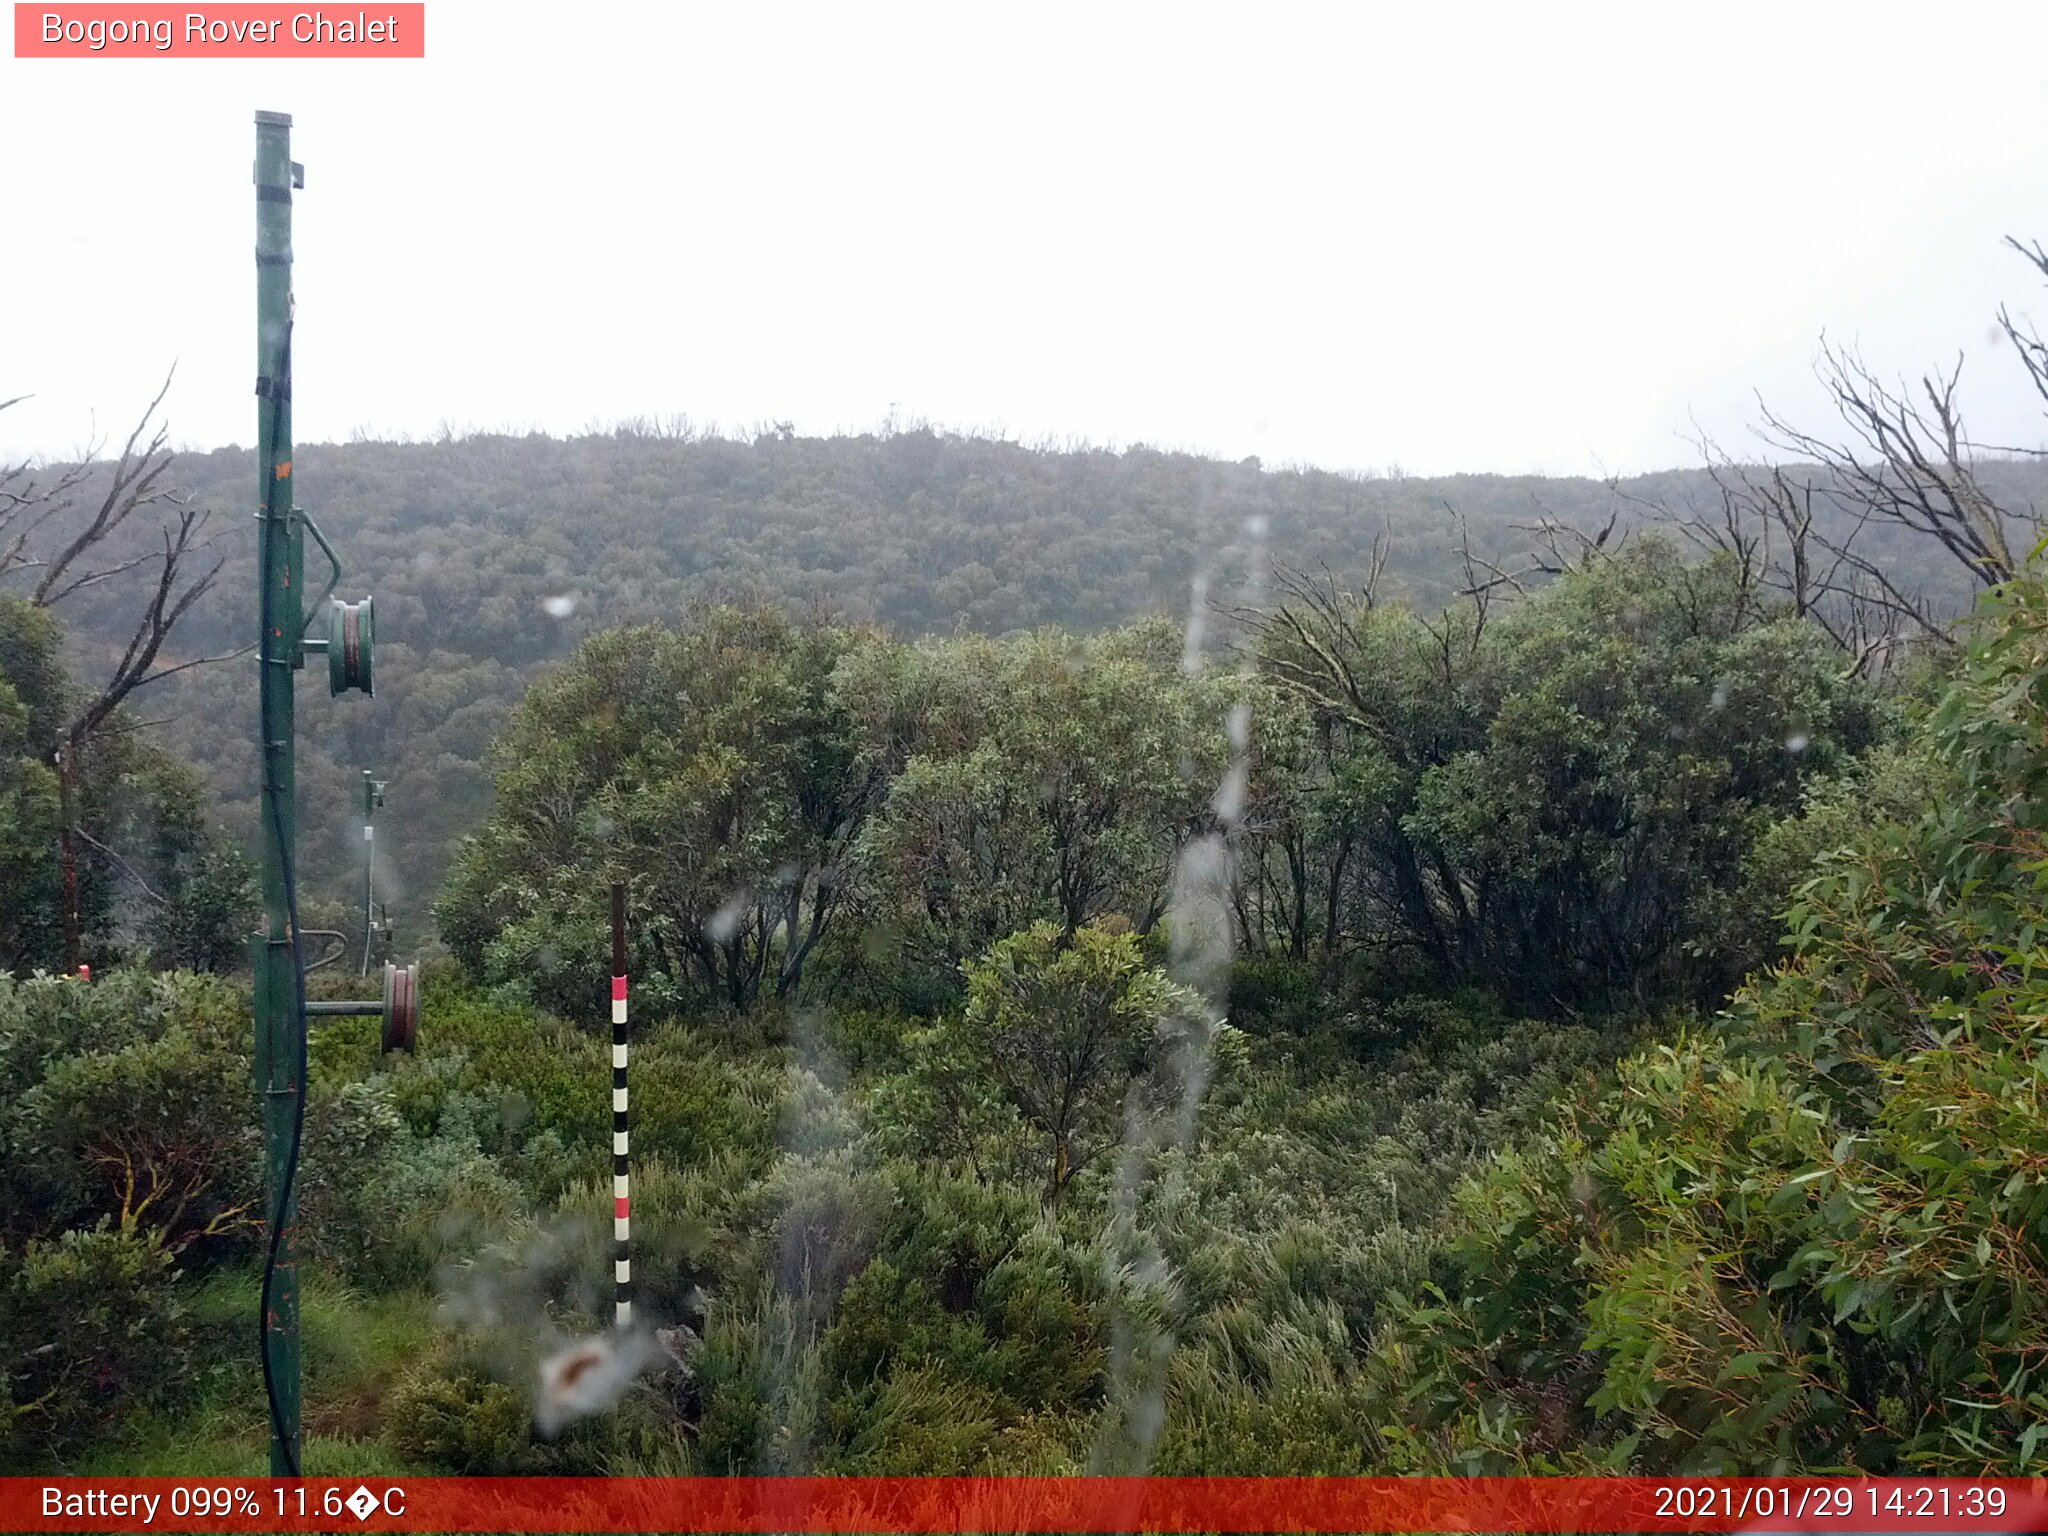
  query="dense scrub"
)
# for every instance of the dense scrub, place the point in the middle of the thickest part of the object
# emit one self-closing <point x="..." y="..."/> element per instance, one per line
<point x="1809" y="1234"/>
<point x="962" y="1145"/>
<point x="1564" y="802"/>
<point x="493" y="556"/>
<point x="868" y="1300"/>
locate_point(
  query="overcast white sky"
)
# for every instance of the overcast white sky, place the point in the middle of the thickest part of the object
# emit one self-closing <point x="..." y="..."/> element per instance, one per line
<point x="1517" y="237"/>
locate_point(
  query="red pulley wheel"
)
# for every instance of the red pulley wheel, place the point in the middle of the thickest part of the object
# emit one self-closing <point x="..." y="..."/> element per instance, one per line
<point x="401" y="1006"/>
<point x="351" y="645"/>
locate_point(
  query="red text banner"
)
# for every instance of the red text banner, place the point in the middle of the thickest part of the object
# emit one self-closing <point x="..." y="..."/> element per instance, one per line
<point x="1025" y="1504"/>
<point x="226" y="31"/>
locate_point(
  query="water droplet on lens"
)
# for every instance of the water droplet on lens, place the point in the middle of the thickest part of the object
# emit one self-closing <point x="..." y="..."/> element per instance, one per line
<point x="725" y="922"/>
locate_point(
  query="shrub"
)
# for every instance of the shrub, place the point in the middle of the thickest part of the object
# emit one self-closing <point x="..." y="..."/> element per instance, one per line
<point x="92" y="1327"/>
<point x="676" y="1229"/>
<point x="46" y="1018"/>
<point x="757" y="1387"/>
<point x="691" y="1098"/>
<point x="385" y="1202"/>
<point x="133" y="1100"/>
<point x="1065" y="1026"/>
<point x="828" y="1224"/>
<point x="916" y="1422"/>
<point x="1271" y="990"/>
<point x="1809" y="1236"/>
<point x="1215" y="1424"/>
<point x="552" y="1076"/>
<point x="159" y="1133"/>
<point x="462" y="1421"/>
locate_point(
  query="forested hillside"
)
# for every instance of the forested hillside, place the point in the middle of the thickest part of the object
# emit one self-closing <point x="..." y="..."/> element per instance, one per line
<point x="492" y="556"/>
<point x="1315" y="984"/>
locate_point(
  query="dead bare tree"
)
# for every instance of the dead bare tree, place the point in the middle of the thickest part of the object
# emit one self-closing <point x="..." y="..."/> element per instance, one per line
<point x="1458" y="629"/>
<point x="2025" y="340"/>
<point x="1908" y="461"/>
<point x="1567" y="547"/>
<point x="1803" y="535"/>
<point x="78" y="516"/>
<point x="1483" y="577"/>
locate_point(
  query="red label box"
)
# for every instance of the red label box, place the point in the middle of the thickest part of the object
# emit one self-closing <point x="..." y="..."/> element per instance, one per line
<point x="225" y="31"/>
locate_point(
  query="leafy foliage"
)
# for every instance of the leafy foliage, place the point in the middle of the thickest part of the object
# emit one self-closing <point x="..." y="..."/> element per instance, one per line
<point x="498" y="554"/>
<point x="710" y="768"/>
<point x="1049" y="778"/>
<point x="942" y="1164"/>
<point x="1066" y="1028"/>
<point x="1556" y="801"/>
<point x="155" y="878"/>
<point x="92" y="1328"/>
<point x="127" y="1100"/>
<point x="1811" y="1236"/>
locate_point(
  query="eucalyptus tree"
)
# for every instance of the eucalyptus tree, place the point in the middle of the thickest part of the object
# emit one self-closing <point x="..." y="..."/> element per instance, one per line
<point x="1059" y="788"/>
<point x="711" y="768"/>
<point x="1556" y="796"/>
<point x="76" y="529"/>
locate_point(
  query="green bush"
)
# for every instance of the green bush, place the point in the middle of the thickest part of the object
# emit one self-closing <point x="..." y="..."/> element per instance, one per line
<point x="916" y="1422"/>
<point x="1215" y="1424"/>
<point x="677" y="1227"/>
<point x="1042" y="1305"/>
<point x="462" y="1422"/>
<point x="868" y="1041"/>
<point x="1061" y="1030"/>
<point x="540" y="1073"/>
<point x="829" y="1222"/>
<point x="159" y="1133"/>
<point x="693" y="1096"/>
<point x="131" y="1098"/>
<point x="1809" y="1237"/>
<point x="387" y="1204"/>
<point x="93" y="1328"/>
<point x="756" y="1386"/>
<point x="1271" y="990"/>
<point x="45" y="1018"/>
<point x="974" y="1289"/>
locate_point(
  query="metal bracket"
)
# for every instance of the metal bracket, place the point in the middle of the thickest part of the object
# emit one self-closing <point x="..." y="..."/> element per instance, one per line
<point x="399" y="1007"/>
<point x="317" y="608"/>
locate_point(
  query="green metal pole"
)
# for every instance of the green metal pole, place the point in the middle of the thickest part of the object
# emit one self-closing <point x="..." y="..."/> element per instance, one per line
<point x="280" y="1026"/>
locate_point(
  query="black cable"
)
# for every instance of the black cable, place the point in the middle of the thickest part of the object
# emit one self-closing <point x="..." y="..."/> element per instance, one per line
<point x="280" y="392"/>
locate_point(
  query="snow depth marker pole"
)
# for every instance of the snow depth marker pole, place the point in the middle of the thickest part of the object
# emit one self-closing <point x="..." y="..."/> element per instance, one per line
<point x="622" y="1261"/>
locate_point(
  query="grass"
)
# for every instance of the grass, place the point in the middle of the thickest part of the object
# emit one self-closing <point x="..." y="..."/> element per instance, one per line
<point x="354" y="1347"/>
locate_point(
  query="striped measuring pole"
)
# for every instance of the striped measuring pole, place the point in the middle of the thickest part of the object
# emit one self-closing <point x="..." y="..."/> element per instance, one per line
<point x="622" y="1203"/>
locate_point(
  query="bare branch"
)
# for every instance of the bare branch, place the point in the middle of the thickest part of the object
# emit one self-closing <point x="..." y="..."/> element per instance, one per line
<point x="165" y="606"/>
<point x="1908" y="461"/>
<point x="118" y="862"/>
<point x="130" y="486"/>
<point x="2026" y="341"/>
